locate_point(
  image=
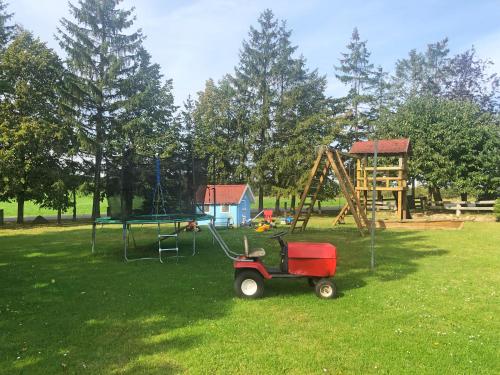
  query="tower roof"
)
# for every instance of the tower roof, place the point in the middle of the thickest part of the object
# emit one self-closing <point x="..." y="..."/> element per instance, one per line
<point x="385" y="146"/>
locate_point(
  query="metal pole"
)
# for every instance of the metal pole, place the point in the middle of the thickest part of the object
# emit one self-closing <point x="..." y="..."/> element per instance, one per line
<point x="374" y="197"/>
<point x="214" y="182"/>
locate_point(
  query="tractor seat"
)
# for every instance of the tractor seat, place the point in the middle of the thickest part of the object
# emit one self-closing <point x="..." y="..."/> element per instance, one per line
<point x="254" y="253"/>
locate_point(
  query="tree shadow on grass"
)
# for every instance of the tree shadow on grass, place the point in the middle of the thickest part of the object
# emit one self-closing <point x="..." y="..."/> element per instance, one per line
<point x="64" y="310"/>
<point x="397" y="255"/>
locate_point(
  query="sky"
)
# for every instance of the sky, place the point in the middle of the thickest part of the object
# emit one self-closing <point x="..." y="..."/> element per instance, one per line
<point x="194" y="40"/>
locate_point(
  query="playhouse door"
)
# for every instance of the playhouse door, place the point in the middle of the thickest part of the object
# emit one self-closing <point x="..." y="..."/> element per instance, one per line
<point x="244" y="213"/>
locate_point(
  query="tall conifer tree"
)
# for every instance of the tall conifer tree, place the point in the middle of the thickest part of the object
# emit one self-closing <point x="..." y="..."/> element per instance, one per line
<point x="6" y="30"/>
<point x="101" y="54"/>
<point x="356" y="72"/>
<point x="255" y="76"/>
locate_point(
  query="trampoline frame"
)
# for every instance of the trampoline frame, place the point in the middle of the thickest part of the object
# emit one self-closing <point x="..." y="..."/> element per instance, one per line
<point x="126" y="224"/>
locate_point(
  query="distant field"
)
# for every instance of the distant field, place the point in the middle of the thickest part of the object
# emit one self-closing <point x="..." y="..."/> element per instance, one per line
<point x="84" y="206"/>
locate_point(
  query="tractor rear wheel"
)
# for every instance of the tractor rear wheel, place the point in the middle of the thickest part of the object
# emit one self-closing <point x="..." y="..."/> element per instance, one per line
<point x="249" y="284"/>
<point x="325" y="288"/>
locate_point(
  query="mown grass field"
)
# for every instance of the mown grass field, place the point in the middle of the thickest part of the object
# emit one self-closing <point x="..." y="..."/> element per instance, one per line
<point x="84" y="206"/>
<point x="431" y="306"/>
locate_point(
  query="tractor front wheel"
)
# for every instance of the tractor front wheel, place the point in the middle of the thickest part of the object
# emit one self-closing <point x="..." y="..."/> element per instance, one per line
<point x="325" y="288"/>
<point x="249" y="284"/>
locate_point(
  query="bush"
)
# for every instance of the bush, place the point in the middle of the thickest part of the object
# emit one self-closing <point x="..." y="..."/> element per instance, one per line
<point x="496" y="209"/>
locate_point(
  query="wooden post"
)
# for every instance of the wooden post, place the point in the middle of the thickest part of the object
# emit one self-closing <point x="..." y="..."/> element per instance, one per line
<point x="458" y="211"/>
<point x="1" y="216"/>
<point x="401" y="191"/>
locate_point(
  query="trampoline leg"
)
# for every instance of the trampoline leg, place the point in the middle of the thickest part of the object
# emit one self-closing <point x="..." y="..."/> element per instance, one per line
<point x="133" y="238"/>
<point x="125" y="241"/>
<point x="93" y="237"/>
<point x="194" y="242"/>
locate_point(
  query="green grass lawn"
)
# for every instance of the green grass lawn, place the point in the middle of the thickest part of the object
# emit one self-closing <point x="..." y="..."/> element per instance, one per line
<point x="83" y="206"/>
<point x="431" y="306"/>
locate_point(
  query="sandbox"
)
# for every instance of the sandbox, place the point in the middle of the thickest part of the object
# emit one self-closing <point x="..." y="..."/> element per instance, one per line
<point x="420" y="224"/>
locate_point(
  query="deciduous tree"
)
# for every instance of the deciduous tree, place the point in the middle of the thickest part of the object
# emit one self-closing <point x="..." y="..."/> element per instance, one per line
<point x="33" y="134"/>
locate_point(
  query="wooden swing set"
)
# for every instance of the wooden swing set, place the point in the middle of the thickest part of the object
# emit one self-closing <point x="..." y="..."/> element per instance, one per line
<point x="394" y="179"/>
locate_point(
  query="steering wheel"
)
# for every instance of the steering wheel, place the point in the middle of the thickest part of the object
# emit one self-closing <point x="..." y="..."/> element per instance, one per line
<point x="278" y="235"/>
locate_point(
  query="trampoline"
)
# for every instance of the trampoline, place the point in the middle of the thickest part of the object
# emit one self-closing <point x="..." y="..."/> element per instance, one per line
<point x="163" y="192"/>
<point x="158" y="220"/>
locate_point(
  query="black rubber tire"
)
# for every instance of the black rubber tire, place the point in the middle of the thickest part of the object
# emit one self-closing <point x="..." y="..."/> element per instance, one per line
<point x="325" y="289"/>
<point x="312" y="281"/>
<point x="245" y="275"/>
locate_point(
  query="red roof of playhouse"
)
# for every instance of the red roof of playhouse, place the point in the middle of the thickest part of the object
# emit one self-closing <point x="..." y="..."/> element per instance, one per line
<point x="227" y="194"/>
<point x="385" y="146"/>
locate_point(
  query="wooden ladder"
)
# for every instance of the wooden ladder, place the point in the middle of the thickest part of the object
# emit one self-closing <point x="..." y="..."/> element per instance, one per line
<point x="316" y="179"/>
<point x="348" y="190"/>
<point x="341" y="216"/>
<point x="327" y="159"/>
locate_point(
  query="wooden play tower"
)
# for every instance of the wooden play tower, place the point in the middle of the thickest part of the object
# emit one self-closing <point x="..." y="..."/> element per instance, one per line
<point x="388" y="178"/>
<point x="391" y="178"/>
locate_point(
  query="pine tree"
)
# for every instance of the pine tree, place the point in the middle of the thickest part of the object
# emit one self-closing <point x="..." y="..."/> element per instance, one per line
<point x="421" y="73"/>
<point x="254" y="77"/>
<point x="379" y="90"/>
<point x="356" y="72"/>
<point x="281" y="96"/>
<point x="6" y="30"/>
<point x="218" y="135"/>
<point x="101" y="55"/>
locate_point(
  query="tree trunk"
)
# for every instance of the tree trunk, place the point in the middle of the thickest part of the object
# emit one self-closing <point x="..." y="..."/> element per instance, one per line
<point x="277" y="204"/>
<point x="436" y="193"/>
<point x="96" y="199"/>
<point x="261" y="198"/>
<point x="319" y="207"/>
<point x="74" y="205"/>
<point x="292" y="203"/>
<point x="20" y="208"/>
<point x="429" y="194"/>
<point x="463" y="197"/>
<point x="59" y="214"/>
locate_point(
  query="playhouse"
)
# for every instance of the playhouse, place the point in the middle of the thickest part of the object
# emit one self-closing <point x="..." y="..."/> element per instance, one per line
<point x="230" y="204"/>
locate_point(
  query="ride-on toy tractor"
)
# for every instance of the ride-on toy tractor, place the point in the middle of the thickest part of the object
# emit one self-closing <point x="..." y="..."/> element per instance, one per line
<point x="315" y="261"/>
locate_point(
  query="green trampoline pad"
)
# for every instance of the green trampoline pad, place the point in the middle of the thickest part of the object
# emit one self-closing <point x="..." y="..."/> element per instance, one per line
<point x="153" y="219"/>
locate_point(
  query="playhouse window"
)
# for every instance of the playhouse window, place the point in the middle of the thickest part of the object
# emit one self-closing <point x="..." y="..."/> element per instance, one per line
<point x="224" y="208"/>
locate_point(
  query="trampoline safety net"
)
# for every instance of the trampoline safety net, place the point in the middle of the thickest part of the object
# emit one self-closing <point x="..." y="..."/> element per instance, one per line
<point x="150" y="186"/>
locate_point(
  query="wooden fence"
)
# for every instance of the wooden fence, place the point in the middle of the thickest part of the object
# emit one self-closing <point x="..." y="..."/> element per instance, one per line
<point x="461" y="206"/>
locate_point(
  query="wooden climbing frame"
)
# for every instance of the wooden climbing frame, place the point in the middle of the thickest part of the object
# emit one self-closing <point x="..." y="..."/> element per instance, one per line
<point x="328" y="159"/>
<point x="388" y="178"/>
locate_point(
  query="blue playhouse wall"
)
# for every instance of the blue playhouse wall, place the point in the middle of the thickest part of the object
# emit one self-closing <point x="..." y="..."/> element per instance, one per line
<point x="237" y="213"/>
